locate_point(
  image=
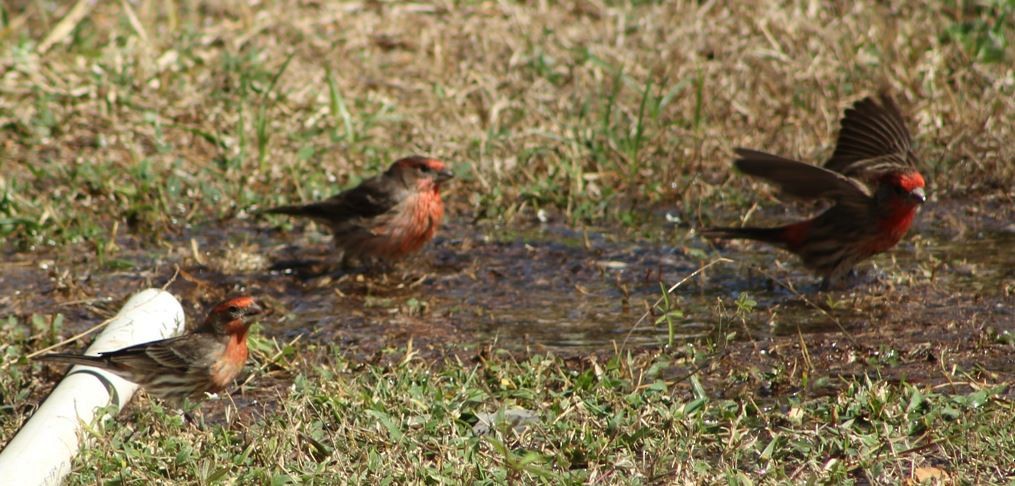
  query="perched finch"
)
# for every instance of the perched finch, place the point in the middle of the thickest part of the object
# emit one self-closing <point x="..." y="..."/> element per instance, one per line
<point x="205" y="360"/>
<point x="871" y="180"/>
<point x="387" y="216"/>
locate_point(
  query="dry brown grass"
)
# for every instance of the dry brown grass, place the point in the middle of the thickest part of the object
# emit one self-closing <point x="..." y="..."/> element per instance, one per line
<point x="518" y="93"/>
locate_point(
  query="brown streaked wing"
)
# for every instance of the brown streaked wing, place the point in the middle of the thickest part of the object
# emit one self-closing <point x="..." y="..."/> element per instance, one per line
<point x="178" y="352"/>
<point x="371" y="198"/>
<point x="871" y="130"/>
<point x="873" y="167"/>
<point x="799" y="179"/>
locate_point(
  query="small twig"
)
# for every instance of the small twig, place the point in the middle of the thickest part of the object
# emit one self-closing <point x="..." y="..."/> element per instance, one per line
<point x="135" y="23"/>
<point x="922" y="447"/>
<point x="70" y="339"/>
<point x="80" y="301"/>
<point x="172" y="279"/>
<point x="803" y="350"/>
<point x="67" y="24"/>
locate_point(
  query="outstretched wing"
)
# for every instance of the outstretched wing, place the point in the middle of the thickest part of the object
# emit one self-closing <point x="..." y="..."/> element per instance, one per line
<point x="799" y="179"/>
<point x="873" y="139"/>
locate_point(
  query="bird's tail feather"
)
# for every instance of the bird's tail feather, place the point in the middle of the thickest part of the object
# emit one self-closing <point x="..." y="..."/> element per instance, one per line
<point x="74" y="359"/>
<point x="767" y="235"/>
<point x="307" y="211"/>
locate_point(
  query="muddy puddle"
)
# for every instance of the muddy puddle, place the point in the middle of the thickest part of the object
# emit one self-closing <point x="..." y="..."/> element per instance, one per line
<point x="537" y="288"/>
<point x="554" y="288"/>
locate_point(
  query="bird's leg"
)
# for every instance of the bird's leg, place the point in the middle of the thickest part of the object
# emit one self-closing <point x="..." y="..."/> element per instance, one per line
<point x="873" y="276"/>
<point x="345" y="260"/>
<point x="876" y="276"/>
<point x="187" y="412"/>
<point x="378" y="266"/>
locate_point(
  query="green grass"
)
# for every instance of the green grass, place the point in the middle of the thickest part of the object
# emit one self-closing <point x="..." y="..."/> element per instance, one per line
<point x="620" y="420"/>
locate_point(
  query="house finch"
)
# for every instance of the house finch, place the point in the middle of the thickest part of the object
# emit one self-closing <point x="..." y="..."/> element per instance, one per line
<point x="205" y="360"/>
<point x="871" y="179"/>
<point x="387" y="216"/>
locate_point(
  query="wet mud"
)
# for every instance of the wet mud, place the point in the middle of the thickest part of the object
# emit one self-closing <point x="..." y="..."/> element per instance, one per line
<point x="942" y="298"/>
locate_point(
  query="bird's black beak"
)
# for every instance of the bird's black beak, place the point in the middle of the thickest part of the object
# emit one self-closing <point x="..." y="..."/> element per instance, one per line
<point x="253" y="309"/>
<point x="444" y="175"/>
<point x="918" y="195"/>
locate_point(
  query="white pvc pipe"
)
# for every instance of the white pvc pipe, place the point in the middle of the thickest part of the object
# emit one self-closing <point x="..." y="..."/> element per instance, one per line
<point x="42" y="451"/>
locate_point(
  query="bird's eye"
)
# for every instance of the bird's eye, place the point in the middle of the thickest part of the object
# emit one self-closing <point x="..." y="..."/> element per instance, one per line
<point x="425" y="168"/>
<point x="233" y="309"/>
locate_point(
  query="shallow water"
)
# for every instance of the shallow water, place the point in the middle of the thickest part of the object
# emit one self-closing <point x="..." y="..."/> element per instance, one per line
<point x="555" y="288"/>
<point x="546" y="287"/>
